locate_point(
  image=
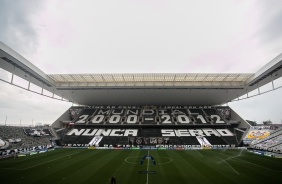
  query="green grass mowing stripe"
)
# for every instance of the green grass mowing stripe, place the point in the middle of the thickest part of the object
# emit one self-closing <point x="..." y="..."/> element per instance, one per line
<point x="89" y="166"/>
<point x="32" y="174"/>
<point x="181" y="171"/>
<point x="131" y="160"/>
<point x="34" y="159"/>
<point x="155" y="178"/>
<point x="164" y="162"/>
<point x="65" y="171"/>
<point x="17" y="160"/>
<point x="20" y="162"/>
<point x="162" y="175"/>
<point x="224" y="170"/>
<point x="267" y="162"/>
<point x="127" y="172"/>
<point x="106" y="167"/>
<point x="56" y="170"/>
<point x="132" y="167"/>
<point x="230" y="167"/>
<point x="258" y="165"/>
<point x="208" y="167"/>
<point x="130" y="172"/>
<point x="97" y="166"/>
<point x="147" y="175"/>
<point x="228" y="161"/>
<point x="249" y="173"/>
<point x="41" y="163"/>
<point x="201" y="155"/>
<point x="22" y="159"/>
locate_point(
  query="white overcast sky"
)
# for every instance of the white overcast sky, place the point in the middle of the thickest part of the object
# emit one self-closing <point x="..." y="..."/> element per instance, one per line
<point x="139" y="36"/>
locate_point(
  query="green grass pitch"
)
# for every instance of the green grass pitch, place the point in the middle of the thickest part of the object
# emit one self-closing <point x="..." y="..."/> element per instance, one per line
<point x="77" y="166"/>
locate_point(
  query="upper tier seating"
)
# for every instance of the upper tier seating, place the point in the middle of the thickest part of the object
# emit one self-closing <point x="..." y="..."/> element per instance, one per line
<point x="151" y="116"/>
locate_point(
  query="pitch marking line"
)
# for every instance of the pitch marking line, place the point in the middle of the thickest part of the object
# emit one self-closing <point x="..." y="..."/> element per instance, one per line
<point x="42" y="162"/>
<point x="241" y="152"/>
<point x="199" y="153"/>
<point x="11" y="169"/>
<point x="50" y="161"/>
<point x="17" y="160"/>
<point x="230" y="166"/>
<point x="235" y="157"/>
<point x="229" y="158"/>
<point x="148" y="170"/>
<point x="257" y="165"/>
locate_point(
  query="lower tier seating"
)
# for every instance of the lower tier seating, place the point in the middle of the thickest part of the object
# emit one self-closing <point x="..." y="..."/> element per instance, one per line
<point x="146" y="136"/>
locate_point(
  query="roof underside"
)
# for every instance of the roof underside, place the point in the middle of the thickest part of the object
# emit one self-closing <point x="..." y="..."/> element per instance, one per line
<point x="142" y="88"/>
<point x="151" y="88"/>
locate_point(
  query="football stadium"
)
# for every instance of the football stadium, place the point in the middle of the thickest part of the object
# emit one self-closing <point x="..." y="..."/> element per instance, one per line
<point x="131" y="127"/>
<point x="142" y="128"/>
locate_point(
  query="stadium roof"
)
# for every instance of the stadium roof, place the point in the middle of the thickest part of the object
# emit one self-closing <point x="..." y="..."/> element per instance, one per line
<point x="151" y="79"/>
<point x="141" y="88"/>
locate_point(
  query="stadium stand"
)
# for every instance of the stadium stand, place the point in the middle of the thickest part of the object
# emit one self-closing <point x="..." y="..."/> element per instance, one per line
<point x="3" y="144"/>
<point x="175" y="141"/>
<point x="122" y="141"/>
<point x="271" y="143"/>
<point x="127" y="126"/>
<point x="215" y="140"/>
<point x="109" y="141"/>
<point x="231" y="140"/>
<point x="199" y="117"/>
<point x="146" y="133"/>
<point x="153" y="132"/>
<point x="189" y="141"/>
<point x="148" y="125"/>
<point x="214" y="116"/>
<point x="276" y="148"/>
<point x="239" y="132"/>
<point x="273" y="135"/>
<point x="18" y="138"/>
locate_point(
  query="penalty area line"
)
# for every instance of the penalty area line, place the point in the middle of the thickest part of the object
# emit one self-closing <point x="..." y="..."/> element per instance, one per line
<point x="257" y="165"/>
<point x="231" y="167"/>
<point x="229" y="157"/>
<point x="49" y="161"/>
